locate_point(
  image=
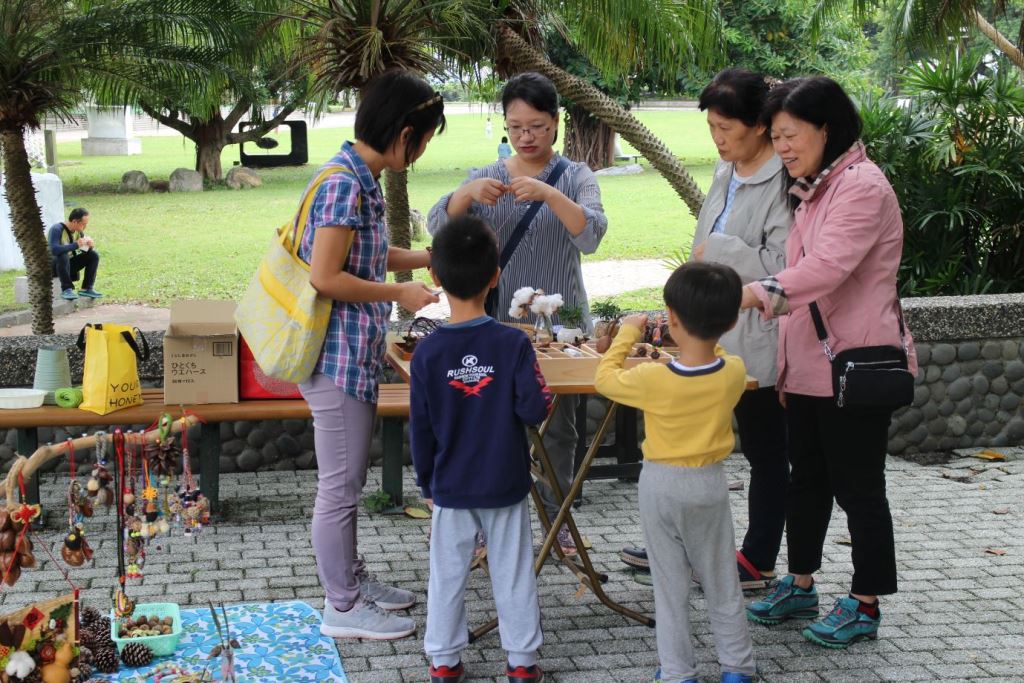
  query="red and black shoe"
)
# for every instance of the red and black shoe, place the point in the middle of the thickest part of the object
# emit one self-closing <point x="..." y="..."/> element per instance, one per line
<point x="521" y="674"/>
<point x="448" y="674"/>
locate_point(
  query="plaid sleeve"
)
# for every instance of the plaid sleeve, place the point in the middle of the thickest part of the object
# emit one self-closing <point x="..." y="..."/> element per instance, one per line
<point x="776" y="295"/>
<point x="336" y="202"/>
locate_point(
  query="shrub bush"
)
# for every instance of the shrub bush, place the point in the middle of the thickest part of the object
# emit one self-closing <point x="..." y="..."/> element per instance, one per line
<point x="953" y="148"/>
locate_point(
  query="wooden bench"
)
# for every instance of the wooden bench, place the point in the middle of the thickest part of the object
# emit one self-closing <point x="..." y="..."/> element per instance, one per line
<point x="392" y="408"/>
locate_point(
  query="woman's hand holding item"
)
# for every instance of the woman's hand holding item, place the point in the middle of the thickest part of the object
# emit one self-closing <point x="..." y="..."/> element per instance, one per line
<point x="527" y="189"/>
<point x="486" y="190"/>
<point x="413" y="296"/>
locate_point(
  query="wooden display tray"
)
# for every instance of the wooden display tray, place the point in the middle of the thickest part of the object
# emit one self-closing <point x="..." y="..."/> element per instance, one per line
<point x="560" y="369"/>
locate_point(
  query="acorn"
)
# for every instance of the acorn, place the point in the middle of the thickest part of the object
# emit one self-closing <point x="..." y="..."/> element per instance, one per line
<point x="93" y="486"/>
<point x="129" y="498"/>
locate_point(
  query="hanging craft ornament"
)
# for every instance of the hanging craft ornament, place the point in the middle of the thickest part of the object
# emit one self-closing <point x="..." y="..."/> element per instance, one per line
<point x="99" y="485"/>
<point x="190" y="507"/>
<point x="162" y="453"/>
<point x="135" y="546"/>
<point x="75" y="550"/>
<point x="123" y="605"/>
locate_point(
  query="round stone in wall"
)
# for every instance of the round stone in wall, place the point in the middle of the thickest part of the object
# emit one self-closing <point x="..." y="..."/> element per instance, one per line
<point x="288" y="445"/>
<point x="943" y="354"/>
<point x="921" y="395"/>
<point x="242" y="428"/>
<point x="249" y="460"/>
<point x="957" y="425"/>
<point x="1014" y="371"/>
<point x="992" y="369"/>
<point x="979" y="384"/>
<point x="949" y="373"/>
<point x="968" y="351"/>
<point x="1009" y="402"/>
<point x="924" y="353"/>
<point x="1015" y="430"/>
<point x="959" y="389"/>
<point x="999" y="386"/>
<point x="987" y="417"/>
<point x="1010" y="349"/>
<point x="256" y="438"/>
<point x="897" y="446"/>
<point x="233" y="447"/>
<point x="991" y="350"/>
<point x="946" y="408"/>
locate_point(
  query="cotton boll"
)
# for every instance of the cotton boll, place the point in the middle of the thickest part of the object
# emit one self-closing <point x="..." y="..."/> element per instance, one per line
<point x="20" y="664"/>
<point x="546" y="305"/>
<point x="520" y="298"/>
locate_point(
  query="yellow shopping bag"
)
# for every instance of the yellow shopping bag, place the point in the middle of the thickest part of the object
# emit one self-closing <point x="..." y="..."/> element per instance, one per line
<point x="281" y="317"/>
<point x="111" y="377"/>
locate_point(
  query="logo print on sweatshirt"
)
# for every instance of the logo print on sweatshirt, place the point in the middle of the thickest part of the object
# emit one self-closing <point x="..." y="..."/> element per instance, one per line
<point x="471" y="378"/>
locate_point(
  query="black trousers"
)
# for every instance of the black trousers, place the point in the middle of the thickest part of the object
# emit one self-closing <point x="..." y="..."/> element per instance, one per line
<point x="762" y="429"/>
<point x="67" y="268"/>
<point x="839" y="454"/>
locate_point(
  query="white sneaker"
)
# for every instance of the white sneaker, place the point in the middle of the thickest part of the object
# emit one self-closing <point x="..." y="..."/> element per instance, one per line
<point x="384" y="596"/>
<point x="365" y="620"/>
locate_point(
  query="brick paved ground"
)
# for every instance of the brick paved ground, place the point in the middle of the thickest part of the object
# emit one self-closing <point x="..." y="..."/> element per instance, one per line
<point x="959" y="615"/>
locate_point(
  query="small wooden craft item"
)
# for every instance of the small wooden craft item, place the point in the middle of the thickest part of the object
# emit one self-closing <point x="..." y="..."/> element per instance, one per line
<point x="419" y="329"/>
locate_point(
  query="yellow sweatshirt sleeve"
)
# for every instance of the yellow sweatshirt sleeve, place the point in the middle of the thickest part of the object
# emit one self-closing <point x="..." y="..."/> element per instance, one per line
<point x="622" y="386"/>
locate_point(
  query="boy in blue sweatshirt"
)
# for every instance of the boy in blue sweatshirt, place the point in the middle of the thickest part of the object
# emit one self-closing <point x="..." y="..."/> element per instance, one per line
<point x="475" y="383"/>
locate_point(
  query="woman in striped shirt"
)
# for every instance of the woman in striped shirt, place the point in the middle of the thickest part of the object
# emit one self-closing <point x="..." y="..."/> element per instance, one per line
<point x="571" y="222"/>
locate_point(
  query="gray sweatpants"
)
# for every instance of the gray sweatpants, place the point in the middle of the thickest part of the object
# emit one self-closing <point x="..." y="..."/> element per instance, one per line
<point x="688" y="526"/>
<point x="510" y="560"/>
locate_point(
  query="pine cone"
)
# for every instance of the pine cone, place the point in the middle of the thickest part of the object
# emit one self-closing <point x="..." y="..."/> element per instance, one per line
<point x="135" y="655"/>
<point x="84" y="655"/>
<point x="35" y="676"/>
<point x="106" y="660"/>
<point x="85" y="672"/>
<point x="89" y="616"/>
<point x="97" y="636"/>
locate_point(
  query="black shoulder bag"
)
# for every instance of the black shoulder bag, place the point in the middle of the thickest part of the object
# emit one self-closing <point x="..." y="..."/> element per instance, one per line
<point x="868" y="376"/>
<point x="491" y="304"/>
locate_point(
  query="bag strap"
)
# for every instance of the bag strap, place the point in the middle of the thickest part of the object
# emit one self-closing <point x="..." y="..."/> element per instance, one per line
<point x="524" y="223"/>
<point x="129" y="338"/>
<point x="819" y="323"/>
<point x="302" y="216"/>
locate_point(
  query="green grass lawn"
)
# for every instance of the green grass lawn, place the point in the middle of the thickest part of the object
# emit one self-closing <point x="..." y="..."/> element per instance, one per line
<point x="159" y="247"/>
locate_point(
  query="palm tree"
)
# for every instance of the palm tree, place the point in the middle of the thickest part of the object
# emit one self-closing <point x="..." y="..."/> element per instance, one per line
<point x="929" y="22"/>
<point x="55" y="53"/>
<point x="349" y="42"/>
<point x="255" y="69"/>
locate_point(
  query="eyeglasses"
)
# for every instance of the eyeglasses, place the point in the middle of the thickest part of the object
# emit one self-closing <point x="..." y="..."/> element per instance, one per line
<point x="532" y="131"/>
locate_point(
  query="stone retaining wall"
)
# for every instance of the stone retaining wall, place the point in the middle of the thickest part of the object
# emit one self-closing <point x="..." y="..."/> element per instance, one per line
<point x="969" y="391"/>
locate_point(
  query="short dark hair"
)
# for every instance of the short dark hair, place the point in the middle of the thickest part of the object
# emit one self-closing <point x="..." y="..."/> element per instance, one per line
<point x="822" y="102"/>
<point x="705" y="297"/>
<point x="393" y="101"/>
<point x="736" y="94"/>
<point x="504" y="139"/>
<point x="464" y="256"/>
<point x="536" y="90"/>
<point x="77" y="214"/>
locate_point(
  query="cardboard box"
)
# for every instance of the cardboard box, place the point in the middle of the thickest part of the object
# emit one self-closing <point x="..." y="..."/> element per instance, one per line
<point x="201" y="353"/>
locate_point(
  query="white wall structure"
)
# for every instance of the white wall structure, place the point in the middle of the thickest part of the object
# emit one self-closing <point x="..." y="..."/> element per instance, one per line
<point x="110" y="132"/>
<point x="49" y="196"/>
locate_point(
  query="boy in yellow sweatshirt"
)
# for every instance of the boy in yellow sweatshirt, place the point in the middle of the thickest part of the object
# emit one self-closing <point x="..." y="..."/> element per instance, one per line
<point x="683" y="492"/>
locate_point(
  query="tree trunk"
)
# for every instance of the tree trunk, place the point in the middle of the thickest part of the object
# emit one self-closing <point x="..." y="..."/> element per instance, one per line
<point x="396" y="201"/>
<point x="524" y="57"/>
<point x="28" y="229"/>
<point x="588" y="139"/>
<point x="993" y="34"/>
<point x="211" y="138"/>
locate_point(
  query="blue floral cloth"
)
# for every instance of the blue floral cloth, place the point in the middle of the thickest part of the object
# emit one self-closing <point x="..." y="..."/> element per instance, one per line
<point x="280" y="642"/>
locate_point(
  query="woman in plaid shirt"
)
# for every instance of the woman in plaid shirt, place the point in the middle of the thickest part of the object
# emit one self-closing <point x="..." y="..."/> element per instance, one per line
<point x="397" y="117"/>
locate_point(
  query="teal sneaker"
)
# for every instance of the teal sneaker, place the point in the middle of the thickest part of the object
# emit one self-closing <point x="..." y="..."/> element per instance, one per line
<point x="659" y="679"/>
<point x="68" y="294"/>
<point x="786" y="601"/>
<point x="843" y="626"/>
<point x="91" y="293"/>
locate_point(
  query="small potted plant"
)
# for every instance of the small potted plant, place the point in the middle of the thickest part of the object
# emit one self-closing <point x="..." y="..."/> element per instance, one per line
<point x="572" y="324"/>
<point x="607" y="313"/>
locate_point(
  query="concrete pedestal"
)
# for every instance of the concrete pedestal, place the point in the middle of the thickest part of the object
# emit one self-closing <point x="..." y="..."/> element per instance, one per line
<point x="110" y="133"/>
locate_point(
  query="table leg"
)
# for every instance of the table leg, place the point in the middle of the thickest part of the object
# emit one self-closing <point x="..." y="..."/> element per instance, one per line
<point x="28" y="442"/>
<point x="391" y="469"/>
<point x="587" y="574"/>
<point x="209" y="463"/>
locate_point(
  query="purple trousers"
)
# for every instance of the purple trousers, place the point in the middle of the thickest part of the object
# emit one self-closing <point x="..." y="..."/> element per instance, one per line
<point x="342" y="428"/>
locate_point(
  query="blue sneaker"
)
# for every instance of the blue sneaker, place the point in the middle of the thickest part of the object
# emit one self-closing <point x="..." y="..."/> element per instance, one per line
<point x="786" y="601"/>
<point x="91" y="293"/>
<point x="659" y="679"/>
<point x="843" y="626"/>
<point x="68" y="294"/>
<point x="736" y="677"/>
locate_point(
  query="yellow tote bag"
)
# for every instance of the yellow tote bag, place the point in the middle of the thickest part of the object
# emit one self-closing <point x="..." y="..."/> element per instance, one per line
<point x="281" y="317"/>
<point x="111" y="377"/>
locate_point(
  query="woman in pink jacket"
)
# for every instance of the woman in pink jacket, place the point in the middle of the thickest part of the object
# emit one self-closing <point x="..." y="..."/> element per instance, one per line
<point x="843" y="252"/>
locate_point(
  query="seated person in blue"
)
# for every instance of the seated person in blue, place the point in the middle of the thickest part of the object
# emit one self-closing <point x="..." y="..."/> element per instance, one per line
<point x="72" y="251"/>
